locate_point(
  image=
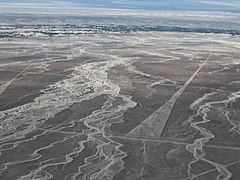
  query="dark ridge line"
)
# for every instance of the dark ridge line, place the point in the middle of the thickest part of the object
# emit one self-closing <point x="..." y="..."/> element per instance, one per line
<point x="97" y="29"/>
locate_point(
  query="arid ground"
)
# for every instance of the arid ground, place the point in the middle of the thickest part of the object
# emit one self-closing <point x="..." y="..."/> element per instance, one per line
<point x="121" y="106"/>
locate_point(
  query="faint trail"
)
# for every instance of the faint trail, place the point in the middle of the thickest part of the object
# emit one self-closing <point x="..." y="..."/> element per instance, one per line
<point x="209" y="171"/>
<point x="153" y="126"/>
<point x="5" y="86"/>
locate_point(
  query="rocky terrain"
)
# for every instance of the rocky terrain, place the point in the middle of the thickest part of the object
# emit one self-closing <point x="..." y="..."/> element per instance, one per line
<point x="119" y="105"/>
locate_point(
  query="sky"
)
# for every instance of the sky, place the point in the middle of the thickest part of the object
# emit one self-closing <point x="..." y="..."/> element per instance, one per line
<point x="191" y="5"/>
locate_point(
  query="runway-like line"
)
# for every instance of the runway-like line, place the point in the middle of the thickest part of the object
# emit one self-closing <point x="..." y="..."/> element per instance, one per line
<point x="5" y="86"/>
<point x="173" y="142"/>
<point x="153" y="126"/>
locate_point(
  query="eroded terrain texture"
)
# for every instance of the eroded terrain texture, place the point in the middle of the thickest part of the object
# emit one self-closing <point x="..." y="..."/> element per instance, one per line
<point x="133" y="106"/>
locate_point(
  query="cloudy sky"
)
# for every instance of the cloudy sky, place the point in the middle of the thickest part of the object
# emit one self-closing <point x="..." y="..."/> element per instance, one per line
<point x="199" y="5"/>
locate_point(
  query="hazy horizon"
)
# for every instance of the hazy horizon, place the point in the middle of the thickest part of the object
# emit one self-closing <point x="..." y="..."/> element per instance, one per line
<point x="180" y="5"/>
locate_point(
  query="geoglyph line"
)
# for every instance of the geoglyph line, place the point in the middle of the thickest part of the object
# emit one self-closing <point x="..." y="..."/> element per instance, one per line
<point x="153" y="126"/>
<point x="173" y="142"/>
<point x="210" y="171"/>
<point x="5" y="86"/>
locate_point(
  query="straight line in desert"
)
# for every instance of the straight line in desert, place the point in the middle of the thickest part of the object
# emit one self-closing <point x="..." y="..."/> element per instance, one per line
<point x="153" y="126"/>
<point x="6" y="85"/>
<point x="210" y="171"/>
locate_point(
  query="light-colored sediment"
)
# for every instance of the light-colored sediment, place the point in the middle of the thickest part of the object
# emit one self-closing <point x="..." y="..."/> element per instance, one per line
<point x="197" y="148"/>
